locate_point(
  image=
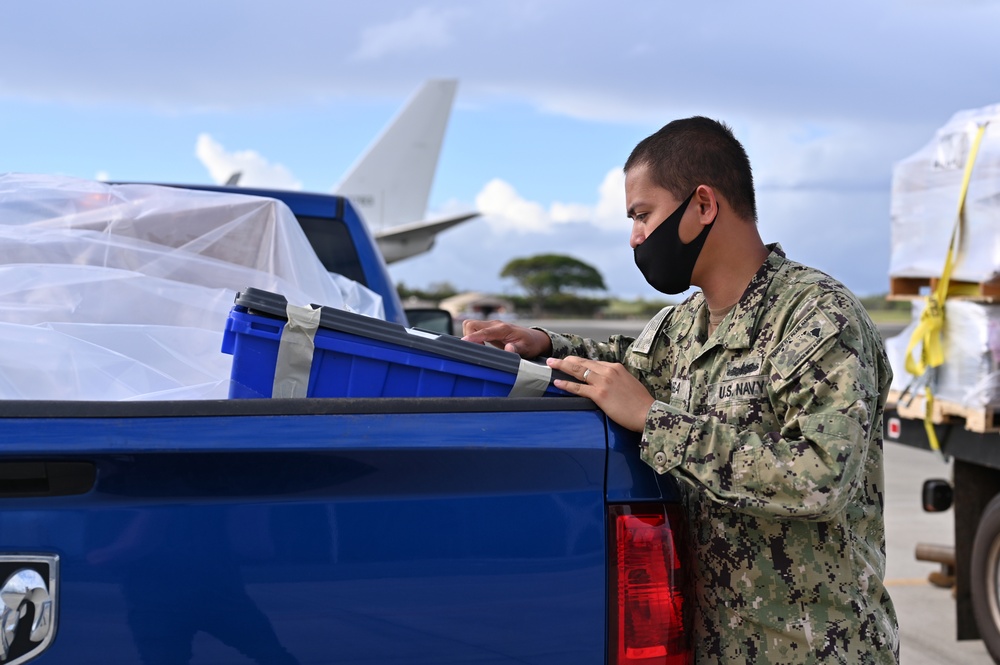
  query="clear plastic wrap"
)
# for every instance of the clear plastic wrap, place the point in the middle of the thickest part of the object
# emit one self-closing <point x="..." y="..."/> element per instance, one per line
<point x="925" y="193"/>
<point x="116" y="292"/>
<point x="970" y="375"/>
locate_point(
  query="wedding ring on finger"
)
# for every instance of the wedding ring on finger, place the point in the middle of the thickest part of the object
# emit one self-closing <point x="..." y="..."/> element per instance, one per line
<point x="586" y="373"/>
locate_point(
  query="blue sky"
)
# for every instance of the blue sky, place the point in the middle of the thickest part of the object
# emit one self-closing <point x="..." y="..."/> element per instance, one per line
<point x="552" y="97"/>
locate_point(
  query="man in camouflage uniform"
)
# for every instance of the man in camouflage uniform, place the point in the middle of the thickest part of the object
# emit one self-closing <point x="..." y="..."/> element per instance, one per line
<point x="762" y="394"/>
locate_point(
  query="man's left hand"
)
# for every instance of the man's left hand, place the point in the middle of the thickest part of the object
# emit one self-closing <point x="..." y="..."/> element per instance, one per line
<point x="610" y="386"/>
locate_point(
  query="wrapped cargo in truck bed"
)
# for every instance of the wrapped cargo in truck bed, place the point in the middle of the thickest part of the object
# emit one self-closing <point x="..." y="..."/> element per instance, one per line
<point x="116" y="292"/>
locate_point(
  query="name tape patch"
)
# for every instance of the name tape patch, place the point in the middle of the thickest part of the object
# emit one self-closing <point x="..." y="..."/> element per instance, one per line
<point x="742" y="388"/>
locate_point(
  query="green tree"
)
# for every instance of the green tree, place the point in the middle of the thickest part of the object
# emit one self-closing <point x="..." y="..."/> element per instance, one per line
<point x="547" y="276"/>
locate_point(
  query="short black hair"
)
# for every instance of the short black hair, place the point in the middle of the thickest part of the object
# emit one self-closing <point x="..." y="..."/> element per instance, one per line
<point x="698" y="151"/>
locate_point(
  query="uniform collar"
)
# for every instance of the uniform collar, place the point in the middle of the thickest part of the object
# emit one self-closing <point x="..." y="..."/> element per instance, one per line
<point x="742" y="326"/>
<point x="738" y="329"/>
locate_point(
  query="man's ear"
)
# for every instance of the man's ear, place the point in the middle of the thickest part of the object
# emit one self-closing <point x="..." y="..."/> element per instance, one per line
<point x="706" y="203"/>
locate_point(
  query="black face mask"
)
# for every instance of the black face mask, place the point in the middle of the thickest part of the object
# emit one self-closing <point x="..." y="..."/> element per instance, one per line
<point x="664" y="260"/>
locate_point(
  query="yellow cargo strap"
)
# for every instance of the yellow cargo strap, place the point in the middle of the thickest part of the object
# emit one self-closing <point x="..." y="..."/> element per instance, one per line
<point x="931" y="325"/>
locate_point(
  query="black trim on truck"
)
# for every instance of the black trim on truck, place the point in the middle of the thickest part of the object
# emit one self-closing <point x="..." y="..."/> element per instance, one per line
<point x="287" y="407"/>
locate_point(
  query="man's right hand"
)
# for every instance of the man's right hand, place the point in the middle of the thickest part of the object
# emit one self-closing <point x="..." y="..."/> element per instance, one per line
<point x="526" y="342"/>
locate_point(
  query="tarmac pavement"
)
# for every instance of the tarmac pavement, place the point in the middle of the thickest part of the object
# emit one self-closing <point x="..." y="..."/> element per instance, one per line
<point x="926" y="612"/>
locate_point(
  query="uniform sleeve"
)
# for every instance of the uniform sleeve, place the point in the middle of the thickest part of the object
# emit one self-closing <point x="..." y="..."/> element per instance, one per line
<point x="826" y="390"/>
<point x="573" y="345"/>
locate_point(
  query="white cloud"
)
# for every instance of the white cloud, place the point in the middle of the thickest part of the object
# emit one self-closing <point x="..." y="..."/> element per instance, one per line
<point x="828" y="155"/>
<point x="506" y="211"/>
<point x="610" y="209"/>
<point x="103" y="176"/>
<point x="423" y="29"/>
<point x="255" y="170"/>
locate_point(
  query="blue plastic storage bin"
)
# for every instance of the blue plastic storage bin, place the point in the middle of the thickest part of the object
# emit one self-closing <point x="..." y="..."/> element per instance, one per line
<point x="359" y="356"/>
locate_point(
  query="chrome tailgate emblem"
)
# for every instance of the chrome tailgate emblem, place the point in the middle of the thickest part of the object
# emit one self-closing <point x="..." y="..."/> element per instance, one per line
<point x="27" y="605"/>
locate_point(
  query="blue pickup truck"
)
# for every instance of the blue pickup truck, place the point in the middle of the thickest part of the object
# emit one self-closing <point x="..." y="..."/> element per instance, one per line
<point x="350" y="530"/>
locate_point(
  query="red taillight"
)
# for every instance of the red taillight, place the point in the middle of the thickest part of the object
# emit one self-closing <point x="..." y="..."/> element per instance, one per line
<point x="647" y="620"/>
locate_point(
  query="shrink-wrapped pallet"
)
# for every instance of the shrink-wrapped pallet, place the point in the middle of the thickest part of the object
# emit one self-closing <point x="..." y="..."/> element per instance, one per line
<point x="970" y="375"/>
<point x="925" y="194"/>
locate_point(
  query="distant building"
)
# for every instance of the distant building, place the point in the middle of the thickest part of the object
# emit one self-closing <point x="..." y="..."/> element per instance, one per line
<point x="476" y="305"/>
<point x="419" y="303"/>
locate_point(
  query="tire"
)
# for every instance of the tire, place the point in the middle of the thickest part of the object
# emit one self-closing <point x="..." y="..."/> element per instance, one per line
<point x="984" y="577"/>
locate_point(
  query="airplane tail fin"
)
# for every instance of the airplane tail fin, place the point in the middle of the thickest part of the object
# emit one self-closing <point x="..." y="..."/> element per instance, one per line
<point x="402" y="160"/>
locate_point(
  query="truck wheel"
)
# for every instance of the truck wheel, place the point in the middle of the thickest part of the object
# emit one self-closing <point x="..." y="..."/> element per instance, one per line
<point x="984" y="577"/>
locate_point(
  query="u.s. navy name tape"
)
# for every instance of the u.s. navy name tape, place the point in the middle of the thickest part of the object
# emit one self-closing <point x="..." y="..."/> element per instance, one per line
<point x="295" y="352"/>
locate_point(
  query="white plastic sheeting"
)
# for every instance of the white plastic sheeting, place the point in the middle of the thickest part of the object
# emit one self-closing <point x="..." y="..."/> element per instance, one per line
<point x="120" y="292"/>
<point x="971" y="341"/>
<point x="925" y="194"/>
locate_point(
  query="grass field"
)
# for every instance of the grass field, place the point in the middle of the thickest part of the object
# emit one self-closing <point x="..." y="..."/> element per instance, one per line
<point x="882" y="316"/>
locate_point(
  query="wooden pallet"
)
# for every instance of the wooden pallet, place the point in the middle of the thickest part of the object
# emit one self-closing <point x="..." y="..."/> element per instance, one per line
<point x="983" y="419"/>
<point x="910" y="288"/>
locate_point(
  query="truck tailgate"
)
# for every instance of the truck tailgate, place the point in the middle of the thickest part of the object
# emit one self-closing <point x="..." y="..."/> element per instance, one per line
<point x="315" y="531"/>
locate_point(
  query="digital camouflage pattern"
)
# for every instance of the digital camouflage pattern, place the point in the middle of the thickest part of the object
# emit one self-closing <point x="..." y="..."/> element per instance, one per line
<point x="773" y="426"/>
